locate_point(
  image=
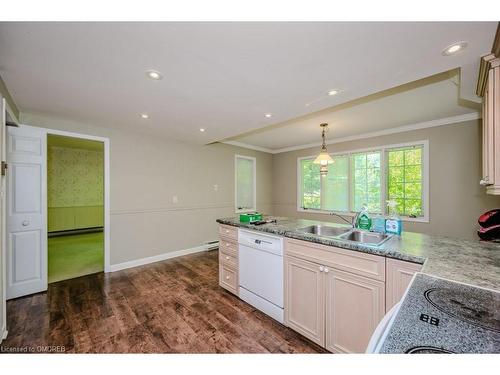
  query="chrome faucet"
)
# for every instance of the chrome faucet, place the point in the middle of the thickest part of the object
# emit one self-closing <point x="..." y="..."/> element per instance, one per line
<point x="353" y="220"/>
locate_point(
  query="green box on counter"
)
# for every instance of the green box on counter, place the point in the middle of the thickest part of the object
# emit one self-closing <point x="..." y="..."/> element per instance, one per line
<point x="250" y="217"/>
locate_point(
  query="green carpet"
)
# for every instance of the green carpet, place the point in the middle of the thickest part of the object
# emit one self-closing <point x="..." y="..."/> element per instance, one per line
<point x="75" y="255"/>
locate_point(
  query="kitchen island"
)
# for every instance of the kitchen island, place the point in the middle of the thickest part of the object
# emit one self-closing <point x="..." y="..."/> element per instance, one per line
<point x="337" y="291"/>
<point x="471" y="262"/>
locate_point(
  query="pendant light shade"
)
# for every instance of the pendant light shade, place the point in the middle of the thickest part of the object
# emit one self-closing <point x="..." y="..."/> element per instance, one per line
<point x="324" y="158"/>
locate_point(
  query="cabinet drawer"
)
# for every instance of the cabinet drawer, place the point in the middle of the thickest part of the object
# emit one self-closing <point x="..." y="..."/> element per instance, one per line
<point x="228" y="278"/>
<point x="367" y="265"/>
<point x="229" y="232"/>
<point x="228" y="260"/>
<point x="228" y="247"/>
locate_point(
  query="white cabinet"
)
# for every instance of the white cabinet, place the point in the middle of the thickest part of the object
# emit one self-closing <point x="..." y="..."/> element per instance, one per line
<point x="334" y="297"/>
<point x="228" y="258"/>
<point x="354" y="307"/>
<point x="399" y="275"/>
<point x="491" y="125"/>
<point x="305" y="299"/>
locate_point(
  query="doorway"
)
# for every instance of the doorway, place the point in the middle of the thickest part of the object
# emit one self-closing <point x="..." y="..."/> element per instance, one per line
<point x="26" y="250"/>
<point x="75" y="207"/>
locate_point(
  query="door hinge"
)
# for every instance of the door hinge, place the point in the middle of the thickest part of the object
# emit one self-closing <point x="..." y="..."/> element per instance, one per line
<point x="3" y="168"/>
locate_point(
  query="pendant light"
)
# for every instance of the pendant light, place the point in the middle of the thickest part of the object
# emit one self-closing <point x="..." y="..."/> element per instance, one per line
<point x="323" y="159"/>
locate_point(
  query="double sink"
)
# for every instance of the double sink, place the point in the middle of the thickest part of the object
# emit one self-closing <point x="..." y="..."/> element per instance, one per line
<point x="347" y="234"/>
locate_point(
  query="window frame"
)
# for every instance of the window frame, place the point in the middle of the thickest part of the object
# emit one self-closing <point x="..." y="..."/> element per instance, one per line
<point x="254" y="188"/>
<point x="383" y="176"/>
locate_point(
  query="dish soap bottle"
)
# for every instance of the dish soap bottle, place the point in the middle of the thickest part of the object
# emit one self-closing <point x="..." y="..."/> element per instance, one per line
<point x="393" y="223"/>
<point x="364" y="220"/>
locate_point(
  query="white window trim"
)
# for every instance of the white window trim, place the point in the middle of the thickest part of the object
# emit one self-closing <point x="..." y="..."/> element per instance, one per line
<point x="383" y="168"/>
<point x="254" y="160"/>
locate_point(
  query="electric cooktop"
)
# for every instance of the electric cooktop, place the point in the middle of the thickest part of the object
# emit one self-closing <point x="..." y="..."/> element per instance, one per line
<point x="442" y="316"/>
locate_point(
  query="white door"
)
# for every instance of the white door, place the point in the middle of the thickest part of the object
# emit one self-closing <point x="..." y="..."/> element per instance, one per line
<point x="26" y="212"/>
<point x="3" y="269"/>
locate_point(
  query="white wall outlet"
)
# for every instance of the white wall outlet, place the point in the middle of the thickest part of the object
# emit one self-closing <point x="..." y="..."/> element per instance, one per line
<point x="175" y="199"/>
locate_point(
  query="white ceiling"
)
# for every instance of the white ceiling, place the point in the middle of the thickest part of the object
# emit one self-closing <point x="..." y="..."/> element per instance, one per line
<point x="221" y="76"/>
<point x="408" y="106"/>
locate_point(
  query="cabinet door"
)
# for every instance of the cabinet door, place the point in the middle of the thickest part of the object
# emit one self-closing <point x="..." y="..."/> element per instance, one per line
<point x="399" y="275"/>
<point x="304" y="299"/>
<point x="354" y="307"/>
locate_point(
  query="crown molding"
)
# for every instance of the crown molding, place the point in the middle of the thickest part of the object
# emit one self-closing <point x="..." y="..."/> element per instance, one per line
<point x="484" y="68"/>
<point x="496" y="42"/>
<point x="399" y="129"/>
<point x="251" y="147"/>
<point x="485" y="64"/>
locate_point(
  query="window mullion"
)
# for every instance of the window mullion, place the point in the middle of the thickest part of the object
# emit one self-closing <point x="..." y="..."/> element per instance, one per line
<point x="383" y="180"/>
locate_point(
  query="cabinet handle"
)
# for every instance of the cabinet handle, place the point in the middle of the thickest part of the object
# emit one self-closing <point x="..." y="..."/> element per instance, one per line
<point x="227" y="258"/>
<point x="227" y="244"/>
<point x="321" y="268"/>
<point x="227" y="277"/>
<point x="327" y="270"/>
<point x="227" y="230"/>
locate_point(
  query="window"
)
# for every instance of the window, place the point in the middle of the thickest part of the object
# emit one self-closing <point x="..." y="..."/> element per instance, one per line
<point x="368" y="177"/>
<point x="245" y="183"/>
<point x="311" y="184"/>
<point x="366" y="181"/>
<point x="336" y="184"/>
<point x="404" y="179"/>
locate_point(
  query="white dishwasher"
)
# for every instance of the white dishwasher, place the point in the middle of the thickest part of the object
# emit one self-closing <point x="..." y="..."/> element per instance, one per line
<point x="261" y="272"/>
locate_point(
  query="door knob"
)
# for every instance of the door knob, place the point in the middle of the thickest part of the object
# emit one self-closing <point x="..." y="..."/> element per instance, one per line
<point x="327" y="270"/>
<point x="26" y="223"/>
<point x="321" y="268"/>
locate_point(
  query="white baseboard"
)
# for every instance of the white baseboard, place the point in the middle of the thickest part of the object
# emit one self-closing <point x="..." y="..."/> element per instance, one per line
<point x="156" y="258"/>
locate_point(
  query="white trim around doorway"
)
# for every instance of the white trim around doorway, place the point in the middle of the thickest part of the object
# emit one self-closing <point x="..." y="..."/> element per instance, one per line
<point x="107" y="220"/>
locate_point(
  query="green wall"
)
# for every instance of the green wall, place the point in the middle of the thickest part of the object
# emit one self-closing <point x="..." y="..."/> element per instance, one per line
<point x="75" y="183"/>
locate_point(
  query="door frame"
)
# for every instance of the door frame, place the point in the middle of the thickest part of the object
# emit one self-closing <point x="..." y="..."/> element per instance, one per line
<point x="107" y="220"/>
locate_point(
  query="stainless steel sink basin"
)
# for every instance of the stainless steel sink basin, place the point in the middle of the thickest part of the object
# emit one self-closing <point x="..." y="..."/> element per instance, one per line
<point x="366" y="237"/>
<point x="325" y="230"/>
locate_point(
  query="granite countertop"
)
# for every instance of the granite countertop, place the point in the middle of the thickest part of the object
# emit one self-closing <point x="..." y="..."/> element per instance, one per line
<point x="442" y="316"/>
<point x="466" y="261"/>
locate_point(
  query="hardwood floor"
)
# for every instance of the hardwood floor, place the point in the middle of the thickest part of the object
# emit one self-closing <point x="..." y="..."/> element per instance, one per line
<point x="175" y="306"/>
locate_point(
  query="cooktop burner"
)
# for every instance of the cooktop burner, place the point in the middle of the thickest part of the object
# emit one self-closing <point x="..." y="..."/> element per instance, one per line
<point x="481" y="309"/>
<point x="427" y="350"/>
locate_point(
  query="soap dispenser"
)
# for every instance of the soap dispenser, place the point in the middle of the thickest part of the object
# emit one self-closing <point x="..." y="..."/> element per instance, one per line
<point x="393" y="223"/>
<point x="364" y="220"/>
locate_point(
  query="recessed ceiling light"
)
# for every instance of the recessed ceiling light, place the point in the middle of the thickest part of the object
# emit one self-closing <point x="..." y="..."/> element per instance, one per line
<point x="144" y="115"/>
<point x="333" y="92"/>
<point x="202" y="130"/>
<point x="454" y="48"/>
<point x="154" y="74"/>
<point x="268" y="115"/>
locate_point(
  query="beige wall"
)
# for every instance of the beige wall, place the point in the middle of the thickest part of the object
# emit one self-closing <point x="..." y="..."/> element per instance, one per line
<point x="456" y="199"/>
<point x="145" y="172"/>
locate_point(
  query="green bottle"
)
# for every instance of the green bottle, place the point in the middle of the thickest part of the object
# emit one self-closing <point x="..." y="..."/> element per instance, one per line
<point x="364" y="219"/>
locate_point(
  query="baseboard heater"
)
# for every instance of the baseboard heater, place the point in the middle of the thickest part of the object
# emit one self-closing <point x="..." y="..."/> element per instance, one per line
<point x="76" y="231"/>
<point x="212" y="245"/>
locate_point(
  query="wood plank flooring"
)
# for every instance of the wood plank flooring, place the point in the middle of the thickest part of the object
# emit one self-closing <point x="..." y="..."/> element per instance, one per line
<point x="175" y="306"/>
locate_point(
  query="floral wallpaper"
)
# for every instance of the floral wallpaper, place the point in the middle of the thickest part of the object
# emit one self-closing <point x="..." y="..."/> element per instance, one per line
<point x="75" y="177"/>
